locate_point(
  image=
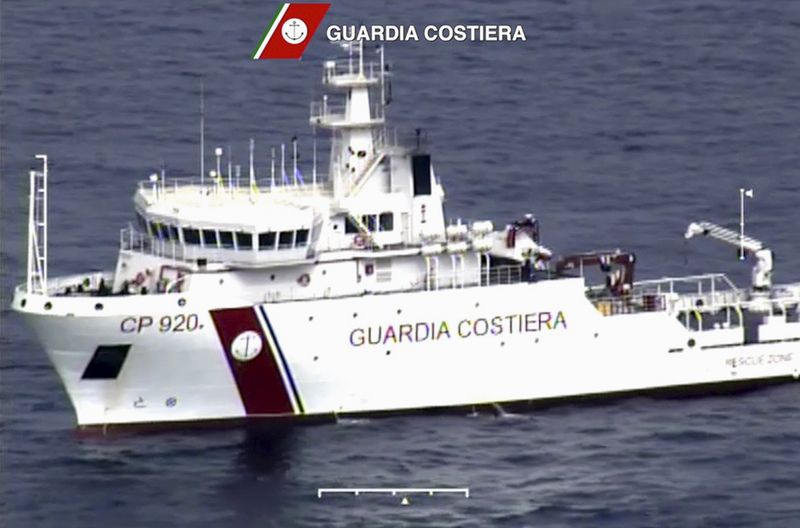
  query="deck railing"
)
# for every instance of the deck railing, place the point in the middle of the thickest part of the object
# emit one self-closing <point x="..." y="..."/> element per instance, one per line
<point x="236" y="187"/>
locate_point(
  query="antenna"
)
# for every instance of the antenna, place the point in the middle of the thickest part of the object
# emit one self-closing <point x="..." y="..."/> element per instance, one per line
<point x="252" y="167"/>
<point x="383" y="89"/>
<point x="202" y="133"/>
<point x="360" y="58"/>
<point x="350" y="55"/>
<point x="217" y="174"/>
<point x="294" y="159"/>
<point x="230" y="181"/>
<point x="314" y="169"/>
<point x="272" y="171"/>
<point x="283" y="164"/>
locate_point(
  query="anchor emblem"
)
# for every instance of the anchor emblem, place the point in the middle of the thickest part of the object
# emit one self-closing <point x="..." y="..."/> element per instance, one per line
<point x="294" y="31"/>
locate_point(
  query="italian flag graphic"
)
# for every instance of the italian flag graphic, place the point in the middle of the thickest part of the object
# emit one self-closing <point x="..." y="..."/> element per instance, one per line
<point x="290" y="31"/>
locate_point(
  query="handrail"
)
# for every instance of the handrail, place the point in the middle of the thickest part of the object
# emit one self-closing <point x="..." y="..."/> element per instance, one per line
<point x="235" y="188"/>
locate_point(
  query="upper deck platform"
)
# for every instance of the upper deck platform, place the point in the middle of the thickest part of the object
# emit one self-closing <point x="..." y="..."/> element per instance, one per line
<point x="234" y="202"/>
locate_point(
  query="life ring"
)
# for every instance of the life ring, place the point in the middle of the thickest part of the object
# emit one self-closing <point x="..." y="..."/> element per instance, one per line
<point x="303" y="280"/>
<point x="139" y="279"/>
<point x="358" y="241"/>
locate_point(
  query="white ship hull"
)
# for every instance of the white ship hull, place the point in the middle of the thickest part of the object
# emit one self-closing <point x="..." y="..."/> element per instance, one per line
<point x="378" y="353"/>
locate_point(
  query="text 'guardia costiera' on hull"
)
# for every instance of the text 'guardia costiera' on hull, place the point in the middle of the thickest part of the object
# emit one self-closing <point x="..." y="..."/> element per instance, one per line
<point x="481" y="326"/>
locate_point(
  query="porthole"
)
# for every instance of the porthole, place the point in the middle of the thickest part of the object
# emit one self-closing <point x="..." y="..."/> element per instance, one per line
<point x="691" y="343"/>
<point x="316" y="358"/>
<point x="272" y="277"/>
<point x="388" y="352"/>
<point x="98" y="306"/>
<point x="48" y="305"/>
<point x="221" y="281"/>
<point x="399" y="311"/>
<point x="596" y="335"/>
<point x="355" y="315"/>
<point x="23" y="302"/>
<point x="310" y="317"/>
<point x="181" y="302"/>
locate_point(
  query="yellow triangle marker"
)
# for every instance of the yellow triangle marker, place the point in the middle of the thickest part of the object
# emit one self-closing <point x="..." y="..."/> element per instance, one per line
<point x="405" y="501"/>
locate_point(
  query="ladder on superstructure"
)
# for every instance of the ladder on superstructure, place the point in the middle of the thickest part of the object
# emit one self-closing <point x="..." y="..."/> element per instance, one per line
<point x="37" y="229"/>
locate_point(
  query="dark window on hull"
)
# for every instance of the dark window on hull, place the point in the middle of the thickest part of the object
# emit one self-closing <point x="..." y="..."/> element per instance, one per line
<point x="371" y="221"/>
<point x="106" y="362"/>
<point x="349" y="226"/>
<point x="386" y="221"/>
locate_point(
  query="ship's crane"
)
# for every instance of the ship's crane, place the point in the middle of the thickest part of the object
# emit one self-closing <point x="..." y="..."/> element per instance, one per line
<point x="762" y="271"/>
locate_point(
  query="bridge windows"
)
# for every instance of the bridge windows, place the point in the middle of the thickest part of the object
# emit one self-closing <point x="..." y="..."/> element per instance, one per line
<point x="226" y="239"/>
<point x="236" y="240"/>
<point x="266" y="241"/>
<point x="191" y="236"/>
<point x="210" y="238"/>
<point x="244" y="240"/>
<point x="286" y="240"/>
<point x="301" y="239"/>
<point x="154" y="232"/>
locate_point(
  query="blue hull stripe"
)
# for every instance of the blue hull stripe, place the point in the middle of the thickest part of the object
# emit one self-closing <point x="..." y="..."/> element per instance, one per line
<point x="283" y="361"/>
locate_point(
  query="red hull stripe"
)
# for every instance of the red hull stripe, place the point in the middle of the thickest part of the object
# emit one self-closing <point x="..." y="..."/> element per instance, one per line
<point x="278" y="47"/>
<point x="259" y="380"/>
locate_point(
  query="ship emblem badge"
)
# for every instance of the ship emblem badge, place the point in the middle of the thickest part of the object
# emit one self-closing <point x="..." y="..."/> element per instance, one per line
<point x="246" y="346"/>
<point x="294" y="31"/>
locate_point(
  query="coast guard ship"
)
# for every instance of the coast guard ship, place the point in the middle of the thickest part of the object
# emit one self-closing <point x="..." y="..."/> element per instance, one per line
<point x="243" y="297"/>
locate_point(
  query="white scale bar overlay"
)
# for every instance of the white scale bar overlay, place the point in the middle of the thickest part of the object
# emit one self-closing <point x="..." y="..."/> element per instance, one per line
<point x="393" y="491"/>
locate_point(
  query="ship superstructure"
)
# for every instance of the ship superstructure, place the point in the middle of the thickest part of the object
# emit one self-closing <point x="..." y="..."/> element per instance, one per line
<point x="347" y="292"/>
